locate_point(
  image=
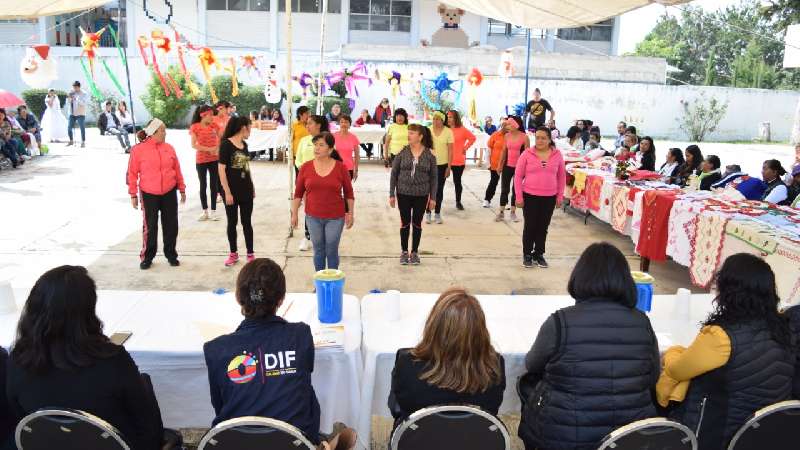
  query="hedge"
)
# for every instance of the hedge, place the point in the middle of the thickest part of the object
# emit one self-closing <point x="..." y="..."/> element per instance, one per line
<point x="34" y="100"/>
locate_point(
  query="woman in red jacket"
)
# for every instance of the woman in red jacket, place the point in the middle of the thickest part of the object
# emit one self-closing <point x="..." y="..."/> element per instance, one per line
<point x="154" y="173"/>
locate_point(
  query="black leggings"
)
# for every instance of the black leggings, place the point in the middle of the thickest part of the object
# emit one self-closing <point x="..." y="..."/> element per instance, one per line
<point x="368" y="147"/>
<point x="411" y="208"/>
<point x="213" y="172"/>
<point x="537" y="212"/>
<point x="305" y="225"/>
<point x="245" y="209"/>
<point x="441" y="170"/>
<point x="506" y="185"/>
<point x="492" y="187"/>
<point x="457" y="172"/>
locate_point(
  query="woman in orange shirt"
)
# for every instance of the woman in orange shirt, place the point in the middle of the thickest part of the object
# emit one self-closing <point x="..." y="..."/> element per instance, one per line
<point x="462" y="140"/>
<point x="496" y="144"/>
<point x="223" y="114"/>
<point x="205" y="136"/>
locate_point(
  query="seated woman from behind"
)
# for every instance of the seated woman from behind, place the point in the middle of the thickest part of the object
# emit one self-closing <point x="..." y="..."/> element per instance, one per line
<point x="262" y="340"/>
<point x="593" y="365"/>
<point x="741" y="361"/>
<point x="453" y="364"/>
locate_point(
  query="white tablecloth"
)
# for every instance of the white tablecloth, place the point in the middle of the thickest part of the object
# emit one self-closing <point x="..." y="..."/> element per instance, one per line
<point x="266" y="139"/>
<point x="169" y="329"/>
<point x="513" y="323"/>
<point x="367" y="134"/>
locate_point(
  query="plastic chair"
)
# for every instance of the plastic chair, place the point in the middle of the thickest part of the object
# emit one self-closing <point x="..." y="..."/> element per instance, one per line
<point x="653" y="434"/>
<point x="773" y="427"/>
<point x="254" y="433"/>
<point x="71" y="429"/>
<point x="442" y="427"/>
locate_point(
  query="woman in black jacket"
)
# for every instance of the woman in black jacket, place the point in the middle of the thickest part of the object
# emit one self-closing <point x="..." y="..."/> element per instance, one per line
<point x="62" y="359"/>
<point x="669" y="170"/>
<point x="711" y="173"/>
<point x="691" y="165"/>
<point x="593" y="365"/>
<point x="647" y="151"/>
<point x="6" y="424"/>
<point x="453" y="364"/>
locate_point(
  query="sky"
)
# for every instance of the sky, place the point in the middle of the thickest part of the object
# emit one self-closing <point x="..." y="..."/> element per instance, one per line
<point x="635" y="25"/>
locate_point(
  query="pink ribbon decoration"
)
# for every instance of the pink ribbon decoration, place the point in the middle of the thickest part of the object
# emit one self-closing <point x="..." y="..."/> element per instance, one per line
<point x="350" y="77"/>
<point x="306" y="81"/>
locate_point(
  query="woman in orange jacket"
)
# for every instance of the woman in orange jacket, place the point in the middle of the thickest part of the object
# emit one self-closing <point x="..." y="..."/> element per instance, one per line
<point x="154" y="173"/>
<point x="496" y="145"/>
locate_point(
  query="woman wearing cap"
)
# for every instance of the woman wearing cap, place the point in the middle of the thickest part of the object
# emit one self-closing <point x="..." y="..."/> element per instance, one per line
<point x="443" y="150"/>
<point x="154" y="173"/>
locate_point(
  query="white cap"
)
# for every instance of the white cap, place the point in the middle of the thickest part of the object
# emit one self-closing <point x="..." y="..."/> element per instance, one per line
<point x="153" y="126"/>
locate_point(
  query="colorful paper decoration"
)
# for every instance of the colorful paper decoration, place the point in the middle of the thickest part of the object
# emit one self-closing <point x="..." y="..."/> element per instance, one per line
<point x="474" y="79"/>
<point x="350" y="77"/>
<point x="37" y="69"/>
<point x="305" y="80"/>
<point x="441" y="84"/>
<point x="506" y="67"/>
<point x="194" y="91"/>
<point x="90" y="42"/>
<point x="208" y="59"/>
<point x="250" y="64"/>
<point x="158" y="40"/>
<point x="234" y="81"/>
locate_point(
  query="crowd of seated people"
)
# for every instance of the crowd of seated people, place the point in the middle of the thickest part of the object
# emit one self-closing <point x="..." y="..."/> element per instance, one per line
<point x="20" y="137"/>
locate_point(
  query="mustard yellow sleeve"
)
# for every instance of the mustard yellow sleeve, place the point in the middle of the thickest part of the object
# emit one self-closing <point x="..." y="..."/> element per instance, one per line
<point x="710" y="350"/>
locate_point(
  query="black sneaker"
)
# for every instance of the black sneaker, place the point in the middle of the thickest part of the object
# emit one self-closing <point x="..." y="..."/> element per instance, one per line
<point x="404" y="258"/>
<point x="527" y="261"/>
<point x="459" y="206"/>
<point x="414" y="259"/>
<point x="540" y="261"/>
<point x="174" y="263"/>
<point x="144" y="265"/>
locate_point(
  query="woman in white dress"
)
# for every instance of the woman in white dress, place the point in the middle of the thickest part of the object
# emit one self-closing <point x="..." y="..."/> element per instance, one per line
<point x="54" y="124"/>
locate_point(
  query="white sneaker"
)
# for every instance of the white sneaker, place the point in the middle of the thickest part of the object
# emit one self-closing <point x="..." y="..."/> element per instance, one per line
<point x="203" y="217"/>
<point x="213" y="216"/>
<point x="428" y="218"/>
<point x="438" y="219"/>
<point x="486" y="203"/>
<point x="305" y="244"/>
<point x="26" y="157"/>
<point x="514" y="217"/>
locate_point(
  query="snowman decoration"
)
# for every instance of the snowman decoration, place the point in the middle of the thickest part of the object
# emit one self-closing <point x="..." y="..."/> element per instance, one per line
<point x="272" y="93"/>
<point x="37" y="69"/>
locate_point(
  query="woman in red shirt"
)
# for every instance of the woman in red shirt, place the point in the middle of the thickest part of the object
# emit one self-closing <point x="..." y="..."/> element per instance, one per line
<point x="205" y="140"/>
<point x="462" y="141"/>
<point x="154" y="172"/>
<point x="323" y="181"/>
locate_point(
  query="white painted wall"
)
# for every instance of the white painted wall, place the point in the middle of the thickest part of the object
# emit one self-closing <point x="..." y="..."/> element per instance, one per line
<point x="19" y="32"/>
<point x="242" y="27"/>
<point x="305" y="31"/>
<point x="583" y="47"/>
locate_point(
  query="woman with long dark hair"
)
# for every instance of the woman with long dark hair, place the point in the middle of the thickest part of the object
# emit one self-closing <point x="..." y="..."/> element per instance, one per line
<point x="222" y="113"/>
<point x="691" y="165"/>
<point x="453" y="363"/>
<point x="742" y="359"/>
<point x="305" y="152"/>
<point x="205" y="140"/>
<point x="593" y="365"/>
<point x="412" y="188"/>
<point x="516" y="141"/>
<point x="62" y="359"/>
<point x="669" y="170"/>
<point x="776" y="191"/>
<point x="462" y="141"/>
<point x="237" y="185"/>
<point x="647" y="154"/>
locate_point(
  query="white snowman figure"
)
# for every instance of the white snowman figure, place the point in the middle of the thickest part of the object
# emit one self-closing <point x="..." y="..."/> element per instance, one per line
<point x="272" y="93"/>
<point x="37" y="69"/>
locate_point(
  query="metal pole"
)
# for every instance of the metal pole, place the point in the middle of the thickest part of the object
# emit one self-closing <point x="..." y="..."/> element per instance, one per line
<point x="527" y="65"/>
<point x="321" y="56"/>
<point x="289" y="123"/>
<point x="127" y="71"/>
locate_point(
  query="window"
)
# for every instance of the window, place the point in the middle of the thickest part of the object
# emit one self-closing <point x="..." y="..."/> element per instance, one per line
<point x="498" y="28"/>
<point x="65" y="30"/>
<point x="601" y="31"/>
<point x="237" y="5"/>
<point x="311" y="6"/>
<point x="380" y="15"/>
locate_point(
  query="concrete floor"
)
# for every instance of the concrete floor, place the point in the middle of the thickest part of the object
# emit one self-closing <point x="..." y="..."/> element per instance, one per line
<point x="71" y="207"/>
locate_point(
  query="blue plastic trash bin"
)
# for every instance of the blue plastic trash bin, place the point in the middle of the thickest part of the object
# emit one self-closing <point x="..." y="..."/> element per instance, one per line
<point x="330" y="292"/>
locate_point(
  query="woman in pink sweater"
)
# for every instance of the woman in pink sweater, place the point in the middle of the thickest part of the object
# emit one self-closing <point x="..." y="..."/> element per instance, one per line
<point x="539" y="182"/>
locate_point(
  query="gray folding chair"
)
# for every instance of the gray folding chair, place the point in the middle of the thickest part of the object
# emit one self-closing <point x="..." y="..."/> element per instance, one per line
<point x="653" y="434"/>
<point x="773" y="427"/>
<point x="254" y="433"/>
<point x="71" y="429"/>
<point x="453" y="426"/>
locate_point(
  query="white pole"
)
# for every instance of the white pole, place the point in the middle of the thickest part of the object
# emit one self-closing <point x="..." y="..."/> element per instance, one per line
<point x="321" y="56"/>
<point x="290" y="113"/>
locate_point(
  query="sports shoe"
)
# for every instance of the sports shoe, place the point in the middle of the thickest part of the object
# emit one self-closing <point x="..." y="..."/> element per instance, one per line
<point x="459" y="206"/>
<point x="438" y="219"/>
<point x="404" y="258"/>
<point x="428" y="218"/>
<point x="513" y="216"/>
<point x="233" y="258"/>
<point x="213" y="216"/>
<point x="304" y="245"/>
<point x="174" y="263"/>
<point x="70" y="144"/>
<point x="527" y="261"/>
<point x="486" y="204"/>
<point x="540" y="261"/>
<point x="203" y="217"/>
<point x="414" y="259"/>
<point x="499" y="217"/>
<point x="144" y="265"/>
<point x="83" y="144"/>
<point x="251" y="257"/>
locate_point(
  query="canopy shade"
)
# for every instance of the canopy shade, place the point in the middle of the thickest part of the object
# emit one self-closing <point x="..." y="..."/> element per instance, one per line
<point x="553" y="13"/>
<point x="31" y="9"/>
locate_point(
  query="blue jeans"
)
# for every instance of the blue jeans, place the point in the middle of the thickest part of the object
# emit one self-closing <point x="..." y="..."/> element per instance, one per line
<point x="325" y="235"/>
<point x="81" y="123"/>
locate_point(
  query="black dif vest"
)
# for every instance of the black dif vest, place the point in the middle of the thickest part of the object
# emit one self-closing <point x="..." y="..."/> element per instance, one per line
<point x="771" y="186"/>
<point x="758" y="373"/>
<point x="599" y="379"/>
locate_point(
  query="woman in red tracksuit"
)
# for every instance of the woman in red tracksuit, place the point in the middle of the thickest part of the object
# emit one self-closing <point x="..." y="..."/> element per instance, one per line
<point x="154" y="173"/>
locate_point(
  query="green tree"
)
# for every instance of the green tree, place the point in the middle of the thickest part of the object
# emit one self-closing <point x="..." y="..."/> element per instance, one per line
<point x="170" y="109"/>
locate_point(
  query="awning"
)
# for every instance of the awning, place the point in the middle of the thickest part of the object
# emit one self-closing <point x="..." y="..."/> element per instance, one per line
<point x="31" y="9"/>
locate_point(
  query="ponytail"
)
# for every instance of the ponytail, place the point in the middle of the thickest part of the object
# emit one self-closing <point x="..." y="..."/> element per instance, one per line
<point x="141" y="135"/>
<point x="427" y="138"/>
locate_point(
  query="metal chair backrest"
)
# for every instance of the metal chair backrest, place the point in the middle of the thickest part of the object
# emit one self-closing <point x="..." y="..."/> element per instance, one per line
<point x="653" y="434"/>
<point x="451" y="426"/>
<point x="773" y="427"/>
<point x="70" y="429"/>
<point x="254" y="433"/>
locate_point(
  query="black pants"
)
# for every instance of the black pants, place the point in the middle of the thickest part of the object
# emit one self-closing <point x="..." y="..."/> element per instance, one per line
<point x="213" y="172"/>
<point x="167" y="206"/>
<point x="245" y="210"/>
<point x="537" y="212"/>
<point x="458" y="171"/>
<point x="492" y="187"/>
<point x="368" y="148"/>
<point x="441" y="170"/>
<point x="411" y="209"/>
<point x="506" y="185"/>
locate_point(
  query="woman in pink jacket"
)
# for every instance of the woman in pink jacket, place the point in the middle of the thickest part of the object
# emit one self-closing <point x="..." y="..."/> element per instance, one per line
<point x="539" y="184"/>
<point x="154" y="173"/>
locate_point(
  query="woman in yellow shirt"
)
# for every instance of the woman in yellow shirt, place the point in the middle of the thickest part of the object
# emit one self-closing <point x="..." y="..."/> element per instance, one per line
<point x="443" y="150"/>
<point x="299" y="130"/>
<point x="741" y="361"/>
<point x="396" y="136"/>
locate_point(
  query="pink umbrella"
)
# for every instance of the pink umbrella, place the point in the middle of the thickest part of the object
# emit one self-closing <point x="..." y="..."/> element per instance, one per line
<point x="8" y="100"/>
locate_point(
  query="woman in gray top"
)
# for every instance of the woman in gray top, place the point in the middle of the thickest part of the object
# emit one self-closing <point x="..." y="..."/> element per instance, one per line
<point x="412" y="188"/>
